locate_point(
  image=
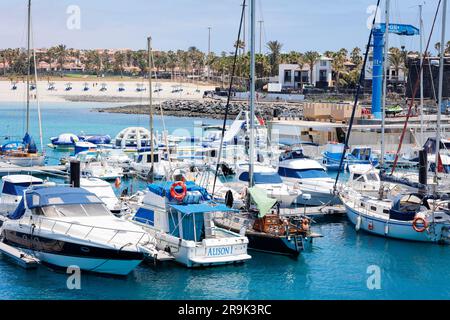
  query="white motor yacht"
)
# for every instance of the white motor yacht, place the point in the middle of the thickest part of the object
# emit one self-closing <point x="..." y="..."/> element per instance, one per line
<point x="63" y="226"/>
<point x="309" y="176"/>
<point x="180" y="217"/>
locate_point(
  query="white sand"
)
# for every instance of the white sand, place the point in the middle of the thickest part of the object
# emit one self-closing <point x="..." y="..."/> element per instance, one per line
<point x="94" y="94"/>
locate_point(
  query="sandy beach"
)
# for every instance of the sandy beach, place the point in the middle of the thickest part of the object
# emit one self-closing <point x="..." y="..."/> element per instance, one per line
<point x="112" y="94"/>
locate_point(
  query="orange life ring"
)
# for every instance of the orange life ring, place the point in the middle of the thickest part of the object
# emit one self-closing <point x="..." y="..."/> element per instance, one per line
<point x="421" y="221"/>
<point x="179" y="196"/>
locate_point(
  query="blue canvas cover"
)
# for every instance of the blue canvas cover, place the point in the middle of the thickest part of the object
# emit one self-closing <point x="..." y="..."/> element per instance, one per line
<point x="19" y="212"/>
<point x="28" y="141"/>
<point x="163" y="189"/>
<point x="12" y="145"/>
<point x="16" y="189"/>
<point x="401" y="212"/>
<point x="48" y="196"/>
<point x="189" y="209"/>
<point x="145" y="216"/>
<point x="97" y="139"/>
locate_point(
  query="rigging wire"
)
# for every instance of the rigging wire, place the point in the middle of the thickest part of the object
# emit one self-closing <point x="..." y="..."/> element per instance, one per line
<point x="358" y="91"/>
<point x="236" y="50"/>
<point x="416" y="86"/>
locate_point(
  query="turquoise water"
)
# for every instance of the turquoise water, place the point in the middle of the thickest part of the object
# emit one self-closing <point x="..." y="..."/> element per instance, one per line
<point x="336" y="268"/>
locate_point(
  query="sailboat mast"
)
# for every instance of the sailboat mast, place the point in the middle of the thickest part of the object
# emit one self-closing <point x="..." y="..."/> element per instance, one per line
<point x="29" y="65"/>
<point x="421" y="75"/>
<point x="441" y="85"/>
<point x="252" y="91"/>
<point x="386" y="71"/>
<point x="150" y="90"/>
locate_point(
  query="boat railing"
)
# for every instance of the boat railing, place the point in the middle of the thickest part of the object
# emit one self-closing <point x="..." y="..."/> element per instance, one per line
<point x="90" y="229"/>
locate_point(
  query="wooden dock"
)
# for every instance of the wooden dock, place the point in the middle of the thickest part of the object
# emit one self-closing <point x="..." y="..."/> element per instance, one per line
<point x="58" y="170"/>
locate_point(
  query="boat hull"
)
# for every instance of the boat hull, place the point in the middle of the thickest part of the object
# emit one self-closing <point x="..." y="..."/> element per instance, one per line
<point x="396" y="229"/>
<point x="209" y="252"/>
<point x="65" y="254"/>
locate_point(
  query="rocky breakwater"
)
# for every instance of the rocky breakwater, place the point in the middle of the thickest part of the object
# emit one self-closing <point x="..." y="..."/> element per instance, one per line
<point x="209" y="109"/>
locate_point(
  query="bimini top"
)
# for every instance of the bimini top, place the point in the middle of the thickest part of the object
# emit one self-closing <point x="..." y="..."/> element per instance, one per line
<point x="42" y="196"/>
<point x="49" y="196"/>
<point x="16" y="184"/>
<point x="163" y="189"/>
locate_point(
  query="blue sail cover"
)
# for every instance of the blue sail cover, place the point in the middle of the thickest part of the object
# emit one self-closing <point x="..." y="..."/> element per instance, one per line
<point x="28" y="141"/>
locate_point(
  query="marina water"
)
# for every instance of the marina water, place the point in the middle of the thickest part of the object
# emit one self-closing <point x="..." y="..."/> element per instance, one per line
<point x="339" y="266"/>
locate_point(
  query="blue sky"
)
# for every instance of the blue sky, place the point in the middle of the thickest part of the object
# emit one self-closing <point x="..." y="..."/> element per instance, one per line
<point x="177" y="24"/>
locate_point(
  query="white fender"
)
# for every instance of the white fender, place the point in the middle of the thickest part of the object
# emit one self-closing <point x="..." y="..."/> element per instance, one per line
<point x="358" y="223"/>
<point x="386" y="229"/>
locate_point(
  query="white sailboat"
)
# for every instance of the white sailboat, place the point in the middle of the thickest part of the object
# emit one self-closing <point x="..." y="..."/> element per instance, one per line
<point x="406" y="216"/>
<point x="25" y="153"/>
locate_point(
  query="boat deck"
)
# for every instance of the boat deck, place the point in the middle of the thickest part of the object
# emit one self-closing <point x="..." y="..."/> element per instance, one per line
<point x="8" y="168"/>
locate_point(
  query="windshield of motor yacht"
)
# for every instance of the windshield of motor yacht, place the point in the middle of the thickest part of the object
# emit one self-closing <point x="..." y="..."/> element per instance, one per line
<point x="73" y="210"/>
<point x="262" y="177"/>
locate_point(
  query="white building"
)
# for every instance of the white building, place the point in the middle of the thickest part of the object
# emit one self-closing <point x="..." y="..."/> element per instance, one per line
<point x="291" y="76"/>
<point x="392" y="74"/>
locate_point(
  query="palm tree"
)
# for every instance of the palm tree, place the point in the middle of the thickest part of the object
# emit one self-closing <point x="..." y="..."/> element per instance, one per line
<point x="172" y="62"/>
<point x="328" y="54"/>
<point x="119" y="61"/>
<point x="3" y="57"/>
<point x="447" y="48"/>
<point x="310" y="58"/>
<point x="355" y="57"/>
<point x="396" y="59"/>
<point x="60" y="52"/>
<point x="274" y="55"/>
<point x="338" y="64"/>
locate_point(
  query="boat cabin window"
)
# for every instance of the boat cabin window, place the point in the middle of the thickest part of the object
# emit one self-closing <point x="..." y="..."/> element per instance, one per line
<point x="373" y="208"/>
<point x="76" y="210"/>
<point x="372" y="177"/>
<point x="262" y="178"/>
<point x="302" y="173"/>
<point x="356" y="176"/>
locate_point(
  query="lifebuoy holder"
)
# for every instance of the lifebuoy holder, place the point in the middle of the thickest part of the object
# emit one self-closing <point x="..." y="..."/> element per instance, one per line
<point x="179" y="196"/>
<point x="420" y="221"/>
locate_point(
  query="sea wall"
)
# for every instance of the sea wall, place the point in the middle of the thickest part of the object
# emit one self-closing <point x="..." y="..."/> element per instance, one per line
<point x="208" y="109"/>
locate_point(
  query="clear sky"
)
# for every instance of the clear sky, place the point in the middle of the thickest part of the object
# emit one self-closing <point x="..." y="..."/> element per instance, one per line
<point x="177" y="24"/>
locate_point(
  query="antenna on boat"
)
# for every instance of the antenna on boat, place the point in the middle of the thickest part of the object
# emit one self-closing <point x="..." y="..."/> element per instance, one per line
<point x="385" y="70"/>
<point x="252" y="92"/>
<point x="150" y="64"/>
<point x="227" y="107"/>
<point x="358" y="91"/>
<point x="29" y="66"/>
<point x="441" y="79"/>
<point x="421" y="73"/>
